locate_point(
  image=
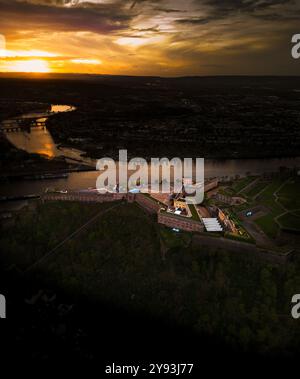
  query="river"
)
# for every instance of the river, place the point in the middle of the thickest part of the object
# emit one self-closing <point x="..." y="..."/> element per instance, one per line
<point x="40" y="141"/>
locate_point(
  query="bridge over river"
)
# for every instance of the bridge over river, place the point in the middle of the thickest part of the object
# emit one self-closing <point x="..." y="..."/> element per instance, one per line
<point x="32" y="120"/>
<point x="22" y="124"/>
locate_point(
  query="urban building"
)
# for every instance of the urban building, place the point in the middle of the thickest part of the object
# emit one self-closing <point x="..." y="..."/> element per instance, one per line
<point x="225" y="221"/>
<point x="180" y="203"/>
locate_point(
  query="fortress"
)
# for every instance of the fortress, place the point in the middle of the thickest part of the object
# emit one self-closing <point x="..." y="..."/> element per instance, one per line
<point x="151" y="205"/>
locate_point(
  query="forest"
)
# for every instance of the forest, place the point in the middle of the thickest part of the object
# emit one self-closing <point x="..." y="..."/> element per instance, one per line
<point x="117" y="263"/>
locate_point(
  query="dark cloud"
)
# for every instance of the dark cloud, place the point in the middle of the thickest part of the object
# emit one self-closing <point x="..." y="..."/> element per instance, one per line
<point x="92" y="17"/>
<point x="183" y="37"/>
<point x="154" y="29"/>
<point x="195" y="20"/>
<point x="231" y="6"/>
<point x="226" y="9"/>
<point x="168" y="10"/>
<point x="137" y="2"/>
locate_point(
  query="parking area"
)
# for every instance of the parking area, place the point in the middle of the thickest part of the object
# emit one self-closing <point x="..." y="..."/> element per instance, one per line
<point x="253" y="213"/>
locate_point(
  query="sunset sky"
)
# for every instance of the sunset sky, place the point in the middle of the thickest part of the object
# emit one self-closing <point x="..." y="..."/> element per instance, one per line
<point x="149" y="37"/>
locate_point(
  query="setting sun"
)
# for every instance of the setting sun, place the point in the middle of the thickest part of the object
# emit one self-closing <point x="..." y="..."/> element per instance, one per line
<point x="32" y="65"/>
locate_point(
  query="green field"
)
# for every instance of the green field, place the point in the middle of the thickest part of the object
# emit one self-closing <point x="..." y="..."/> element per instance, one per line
<point x="253" y="191"/>
<point x="194" y="212"/>
<point x="290" y="221"/>
<point x="267" y="198"/>
<point x="243" y="207"/>
<point x="239" y="184"/>
<point x="289" y="194"/>
<point x="227" y="191"/>
<point x="268" y="225"/>
<point x="291" y="188"/>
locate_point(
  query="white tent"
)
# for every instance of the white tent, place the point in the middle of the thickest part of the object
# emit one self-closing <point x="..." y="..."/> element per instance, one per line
<point x="212" y="225"/>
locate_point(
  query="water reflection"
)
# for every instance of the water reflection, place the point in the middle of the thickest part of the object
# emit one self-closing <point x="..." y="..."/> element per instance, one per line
<point x="37" y="139"/>
<point x="213" y="168"/>
<point x="61" y="108"/>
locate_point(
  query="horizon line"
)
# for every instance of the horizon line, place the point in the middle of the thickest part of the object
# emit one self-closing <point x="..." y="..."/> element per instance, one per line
<point x="46" y="74"/>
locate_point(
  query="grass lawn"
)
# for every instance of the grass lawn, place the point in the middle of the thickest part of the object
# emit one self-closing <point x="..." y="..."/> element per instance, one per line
<point x="268" y="225"/>
<point x="267" y="198"/>
<point x="267" y="222"/>
<point x="243" y="207"/>
<point x="290" y="221"/>
<point x="226" y="191"/>
<point x="289" y="195"/>
<point x="290" y="189"/>
<point x="194" y="212"/>
<point x="242" y="183"/>
<point x="259" y="186"/>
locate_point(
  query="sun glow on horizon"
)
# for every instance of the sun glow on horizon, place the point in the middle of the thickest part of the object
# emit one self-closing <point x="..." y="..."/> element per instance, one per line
<point x="31" y="65"/>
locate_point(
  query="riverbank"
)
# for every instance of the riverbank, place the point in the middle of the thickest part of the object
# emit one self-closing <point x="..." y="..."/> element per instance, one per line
<point x="17" y="164"/>
<point x="27" y="150"/>
<point x="14" y="160"/>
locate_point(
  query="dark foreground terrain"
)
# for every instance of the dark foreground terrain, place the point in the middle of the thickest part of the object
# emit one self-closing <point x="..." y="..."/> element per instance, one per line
<point x="111" y="292"/>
